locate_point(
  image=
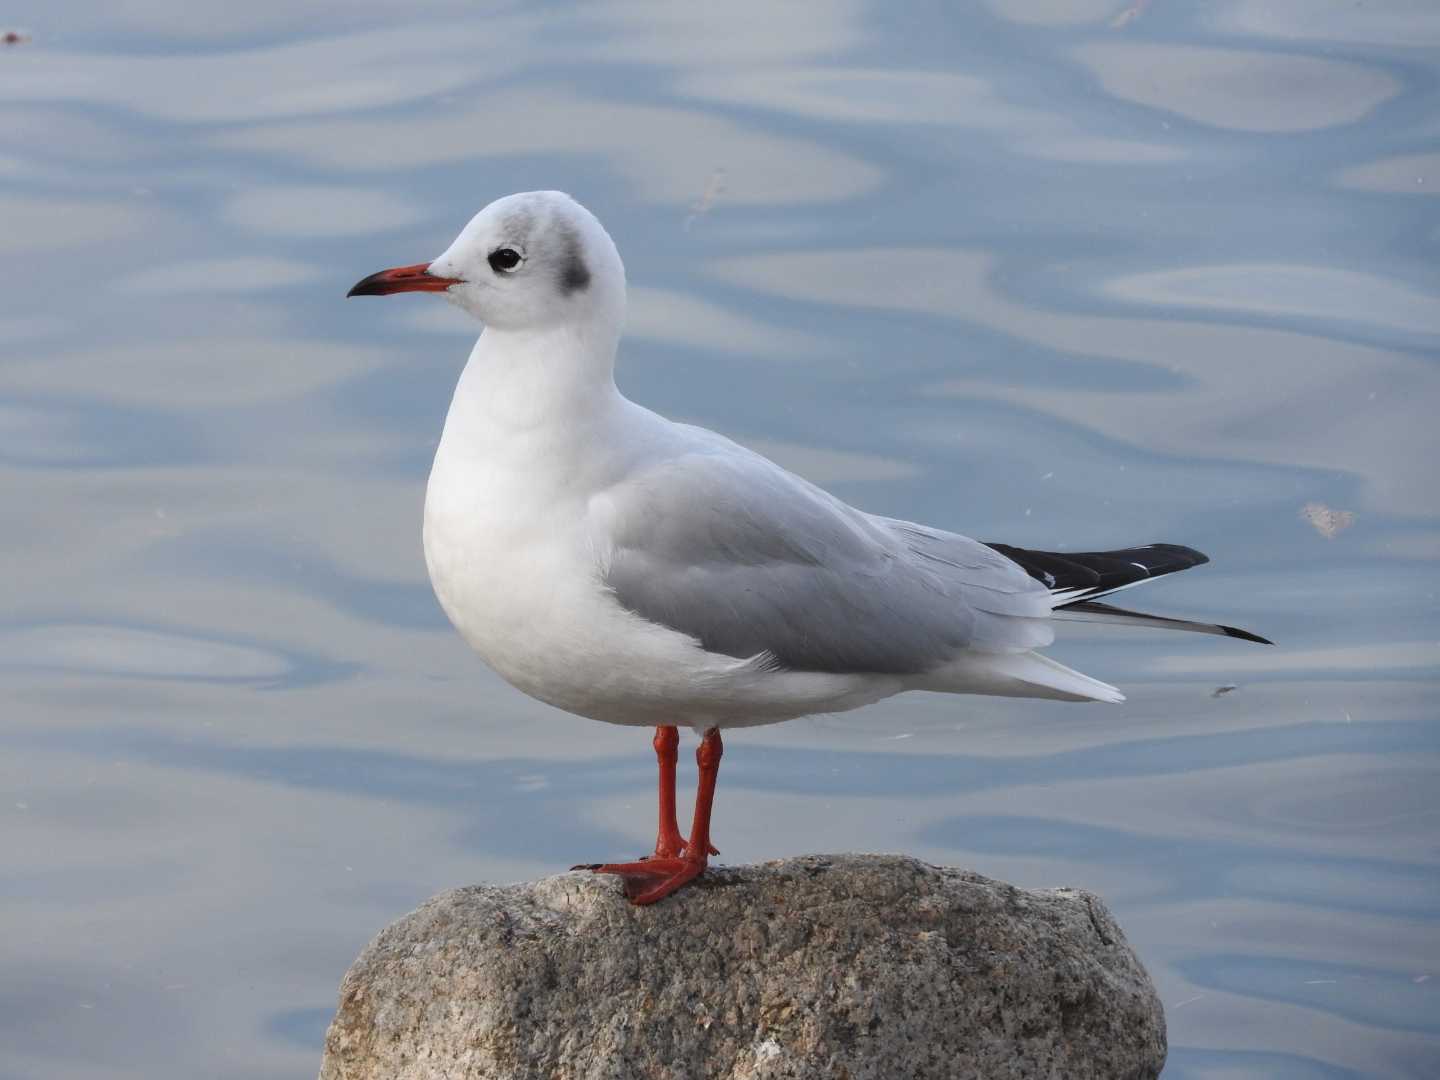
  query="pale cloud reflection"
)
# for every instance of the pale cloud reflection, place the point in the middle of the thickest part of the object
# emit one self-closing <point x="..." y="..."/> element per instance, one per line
<point x="867" y="95"/>
<point x="314" y="565"/>
<point x="1404" y="174"/>
<point x="186" y="374"/>
<point x="1055" y="12"/>
<point x="721" y="35"/>
<point x="109" y="839"/>
<point x="1249" y="393"/>
<point x="1238" y="89"/>
<point x="1322" y="807"/>
<point x="1394" y="656"/>
<point x="666" y="153"/>
<point x="1277" y="927"/>
<point x="242" y="274"/>
<point x="1100" y="150"/>
<point x="39" y="434"/>
<point x="319" y="211"/>
<point x="1407" y="545"/>
<point x="357" y="70"/>
<point x="29" y="327"/>
<point x="1237" y="1036"/>
<point x="1056" y="463"/>
<point x="629" y="29"/>
<point x="123" y="650"/>
<point x="672" y="317"/>
<point x="51" y="141"/>
<point x="1340" y="885"/>
<point x="851" y="95"/>
<point x="36" y="224"/>
<point x="1316" y="292"/>
<point x="217" y="20"/>
<point x="1411" y="24"/>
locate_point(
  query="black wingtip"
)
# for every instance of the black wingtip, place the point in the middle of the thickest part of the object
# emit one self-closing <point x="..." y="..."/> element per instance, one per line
<point x="1181" y="552"/>
<point x="1245" y="635"/>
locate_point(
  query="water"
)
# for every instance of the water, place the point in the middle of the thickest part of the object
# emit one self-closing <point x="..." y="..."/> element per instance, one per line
<point x="1060" y="274"/>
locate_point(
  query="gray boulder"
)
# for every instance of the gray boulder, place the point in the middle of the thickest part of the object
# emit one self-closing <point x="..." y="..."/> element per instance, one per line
<point x="865" y="967"/>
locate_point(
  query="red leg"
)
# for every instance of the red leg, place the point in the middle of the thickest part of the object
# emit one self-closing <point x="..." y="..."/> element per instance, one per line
<point x="653" y="879"/>
<point x="668" y="841"/>
<point x="707" y="761"/>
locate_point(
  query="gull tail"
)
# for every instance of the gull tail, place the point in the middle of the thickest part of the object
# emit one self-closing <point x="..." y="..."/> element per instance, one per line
<point x="1077" y="579"/>
<point x="1023" y="674"/>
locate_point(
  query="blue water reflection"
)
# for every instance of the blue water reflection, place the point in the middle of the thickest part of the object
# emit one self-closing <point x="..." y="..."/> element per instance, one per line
<point x="1062" y="274"/>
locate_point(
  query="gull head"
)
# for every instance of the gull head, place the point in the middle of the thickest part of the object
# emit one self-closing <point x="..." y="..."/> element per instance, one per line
<point x="531" y="261"/>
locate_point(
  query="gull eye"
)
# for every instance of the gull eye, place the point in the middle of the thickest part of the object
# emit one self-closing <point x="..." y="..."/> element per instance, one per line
<point x="503" y="260"/>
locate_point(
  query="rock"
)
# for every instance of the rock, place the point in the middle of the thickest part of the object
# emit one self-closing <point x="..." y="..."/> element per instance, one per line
<point x="865" y="967"/>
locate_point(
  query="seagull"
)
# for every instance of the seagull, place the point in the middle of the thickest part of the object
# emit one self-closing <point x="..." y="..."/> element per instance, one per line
<point x="638" y="571"/>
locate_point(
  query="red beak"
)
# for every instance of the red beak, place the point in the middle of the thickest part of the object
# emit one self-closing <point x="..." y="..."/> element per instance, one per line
<point x="415" y="278"/>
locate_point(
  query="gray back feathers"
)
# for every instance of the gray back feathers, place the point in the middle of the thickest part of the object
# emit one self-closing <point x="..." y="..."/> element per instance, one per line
<point x="750" y="560"/>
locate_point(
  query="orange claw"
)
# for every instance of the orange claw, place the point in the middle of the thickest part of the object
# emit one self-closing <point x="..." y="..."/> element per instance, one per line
<point x="654" y="878"/>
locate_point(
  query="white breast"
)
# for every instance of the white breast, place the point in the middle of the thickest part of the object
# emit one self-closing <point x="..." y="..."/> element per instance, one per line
<point x="520" y="578"/>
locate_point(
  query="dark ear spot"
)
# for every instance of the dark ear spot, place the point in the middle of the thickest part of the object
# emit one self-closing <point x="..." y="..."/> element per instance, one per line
<point x="574" y="274"/>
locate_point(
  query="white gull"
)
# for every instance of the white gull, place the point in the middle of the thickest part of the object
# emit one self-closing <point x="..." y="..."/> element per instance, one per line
<point x="634" y="570"/>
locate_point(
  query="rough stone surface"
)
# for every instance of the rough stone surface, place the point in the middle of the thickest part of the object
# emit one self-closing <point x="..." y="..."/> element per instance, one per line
<point x="863" y="967"/>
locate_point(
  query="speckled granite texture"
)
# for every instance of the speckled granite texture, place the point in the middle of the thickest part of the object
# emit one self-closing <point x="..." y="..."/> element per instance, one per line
<point x="864" y="967"/>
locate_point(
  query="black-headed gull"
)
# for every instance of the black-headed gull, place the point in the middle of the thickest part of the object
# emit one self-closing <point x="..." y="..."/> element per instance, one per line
<point x="638" y="571"/>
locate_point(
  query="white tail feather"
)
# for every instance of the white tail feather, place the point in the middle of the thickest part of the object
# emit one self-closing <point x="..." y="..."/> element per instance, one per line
<point x="1023" y="674"/>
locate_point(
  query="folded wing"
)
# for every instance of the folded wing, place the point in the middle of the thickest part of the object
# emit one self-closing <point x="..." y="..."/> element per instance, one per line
<point x="751" y="561"/>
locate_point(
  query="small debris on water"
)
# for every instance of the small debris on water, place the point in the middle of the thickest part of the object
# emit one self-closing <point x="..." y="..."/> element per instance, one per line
<point x="1325" y="521"/>
<point x="703" y="205"/>
<point x="1129" y="15"/>
<point x="1221" y="691"/>
<point x="14" y="37"/>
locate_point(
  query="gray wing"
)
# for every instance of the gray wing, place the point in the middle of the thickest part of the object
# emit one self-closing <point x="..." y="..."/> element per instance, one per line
<point x="730" y="549"/>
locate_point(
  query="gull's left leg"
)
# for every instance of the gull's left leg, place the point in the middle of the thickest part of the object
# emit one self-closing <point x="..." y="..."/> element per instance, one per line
<point x="668" y="841"/>
<point x="648" y="880"/>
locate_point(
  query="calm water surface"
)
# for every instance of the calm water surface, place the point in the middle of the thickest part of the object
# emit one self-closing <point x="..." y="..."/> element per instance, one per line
<point x="1066" y="274"/>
